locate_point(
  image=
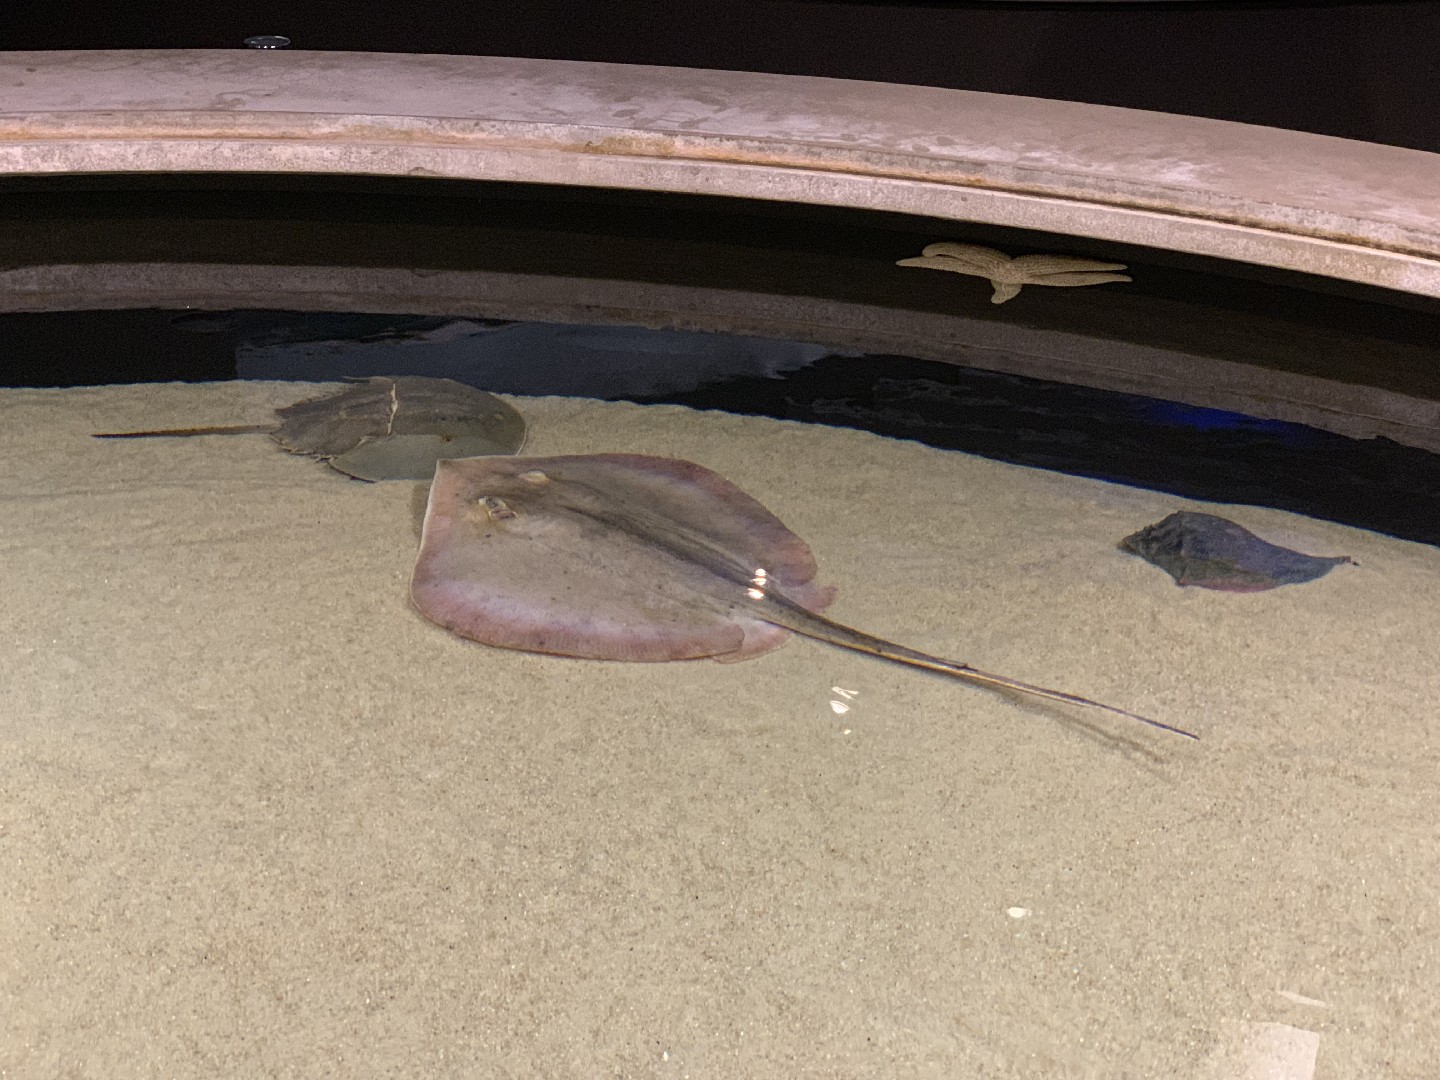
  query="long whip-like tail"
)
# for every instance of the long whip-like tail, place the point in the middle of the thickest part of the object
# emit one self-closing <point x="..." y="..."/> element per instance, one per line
<point x="175" y="433"/>
<point x="823" y="629"/>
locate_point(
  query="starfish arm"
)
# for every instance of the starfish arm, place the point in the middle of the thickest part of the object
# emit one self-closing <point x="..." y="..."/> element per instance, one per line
<point x="1004" y="290"/>
<point x="1012" y="274"/>
<point x="953" y="265"/>
<point x="973" y="254"/>
<point x="1078" y="279"/>
<point x="1035" y="265"/>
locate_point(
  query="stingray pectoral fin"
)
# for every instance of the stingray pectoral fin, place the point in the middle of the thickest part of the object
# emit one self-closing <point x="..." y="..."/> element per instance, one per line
<point x="531" y="622"/>
<point x="760" y="638"/>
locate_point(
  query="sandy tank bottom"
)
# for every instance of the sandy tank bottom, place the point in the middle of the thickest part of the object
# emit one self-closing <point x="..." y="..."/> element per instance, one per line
<point x="259" y="818"/>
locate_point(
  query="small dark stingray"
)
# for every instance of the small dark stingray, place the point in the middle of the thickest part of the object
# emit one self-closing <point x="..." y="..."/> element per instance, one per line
<point x="384" y="428"/>
<point x="628" y="557"/>
<point x="1214" y="553"/>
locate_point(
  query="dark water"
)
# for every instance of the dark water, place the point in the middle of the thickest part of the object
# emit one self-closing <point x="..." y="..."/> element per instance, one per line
<point x="1144" y="442"/>
<point x="1191" y="452"/>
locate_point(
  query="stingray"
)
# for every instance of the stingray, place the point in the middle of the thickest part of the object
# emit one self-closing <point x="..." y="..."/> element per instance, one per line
<point x="630" y="557"/>
<point x="384" y="428"/>
<point x="1214" y="553"/>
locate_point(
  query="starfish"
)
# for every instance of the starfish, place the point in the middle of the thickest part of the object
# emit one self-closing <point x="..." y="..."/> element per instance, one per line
<point x="1007" y="275"/>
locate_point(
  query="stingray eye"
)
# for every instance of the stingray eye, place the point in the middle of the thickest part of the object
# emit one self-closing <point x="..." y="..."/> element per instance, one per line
<point x="495" y="508"/>
<point x="535" y="476"/>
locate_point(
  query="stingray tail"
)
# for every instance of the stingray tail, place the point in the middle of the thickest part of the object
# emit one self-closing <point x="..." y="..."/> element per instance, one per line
<point x="965" y="671"/>
<point x="862" y="642"/>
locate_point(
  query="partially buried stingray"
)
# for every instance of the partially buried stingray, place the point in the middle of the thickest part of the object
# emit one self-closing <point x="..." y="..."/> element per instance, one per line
<point x="384" y="428"/>
<point x="629" y="557"/>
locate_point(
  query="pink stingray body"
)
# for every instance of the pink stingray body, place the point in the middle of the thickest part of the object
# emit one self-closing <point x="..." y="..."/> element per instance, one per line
<point x="607" y="556"/>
